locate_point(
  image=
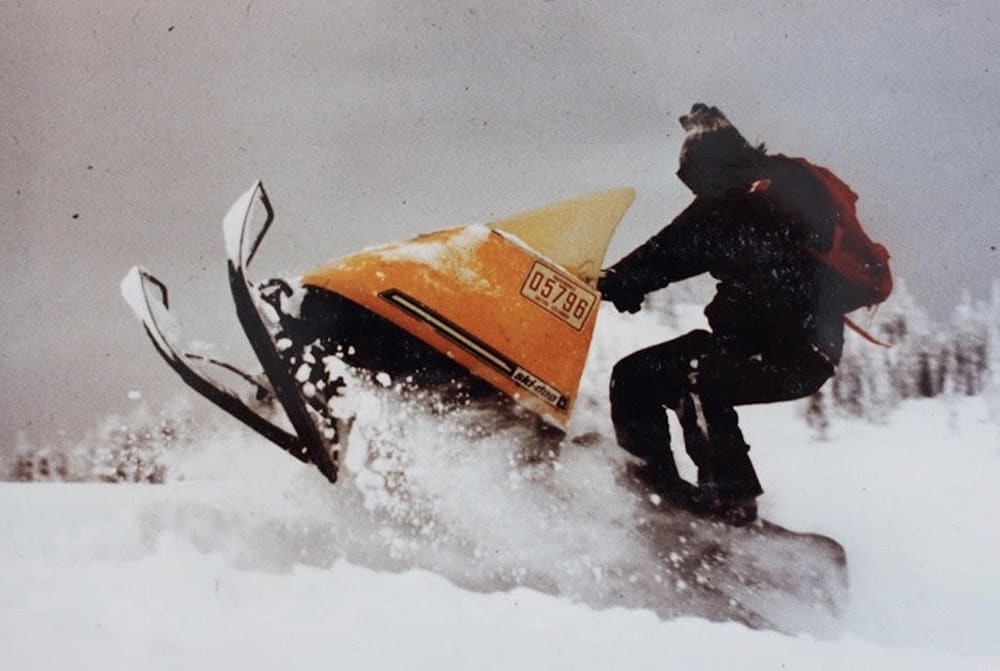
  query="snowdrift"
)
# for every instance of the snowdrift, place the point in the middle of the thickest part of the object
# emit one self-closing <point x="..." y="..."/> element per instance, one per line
<point x="445" y="548"/>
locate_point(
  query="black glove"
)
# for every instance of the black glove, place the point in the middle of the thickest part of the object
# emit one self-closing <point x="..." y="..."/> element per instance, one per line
<point x="615" y="287"/>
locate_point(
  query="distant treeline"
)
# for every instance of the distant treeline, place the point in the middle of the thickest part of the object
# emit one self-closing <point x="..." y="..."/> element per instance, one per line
<point x="117" y="453"/>
<point x="925" y="359"/>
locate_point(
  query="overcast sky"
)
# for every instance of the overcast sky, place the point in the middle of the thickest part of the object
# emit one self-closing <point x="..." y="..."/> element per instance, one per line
<point x="128" y="128"/>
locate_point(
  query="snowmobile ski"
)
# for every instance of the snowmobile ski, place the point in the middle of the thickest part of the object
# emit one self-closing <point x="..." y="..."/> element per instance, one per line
<point x="147" y="296"/>
<point x="243" y="234"/>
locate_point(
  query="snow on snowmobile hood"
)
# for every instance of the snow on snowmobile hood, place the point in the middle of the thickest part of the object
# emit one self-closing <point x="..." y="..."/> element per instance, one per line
<point x="512" y="301"/>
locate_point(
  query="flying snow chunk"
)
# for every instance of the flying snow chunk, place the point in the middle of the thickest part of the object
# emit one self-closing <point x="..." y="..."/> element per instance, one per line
<point x="134" y="395"/>
<point x="383" y="379"/>
<point x="334" y="367"/>
<point x="303" y="373"/>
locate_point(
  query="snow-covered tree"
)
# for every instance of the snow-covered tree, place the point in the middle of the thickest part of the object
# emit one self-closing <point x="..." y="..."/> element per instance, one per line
<point x="969" y="348"/>
<point x="118" y="451"/>
<point x="923" y="360"/>
<point x="993" y="351"/>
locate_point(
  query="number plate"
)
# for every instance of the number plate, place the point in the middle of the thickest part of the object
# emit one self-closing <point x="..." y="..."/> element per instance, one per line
<point x="559" y="295"/>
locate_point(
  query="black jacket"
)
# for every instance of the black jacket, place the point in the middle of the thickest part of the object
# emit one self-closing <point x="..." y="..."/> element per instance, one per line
<point x="772" y="295"/>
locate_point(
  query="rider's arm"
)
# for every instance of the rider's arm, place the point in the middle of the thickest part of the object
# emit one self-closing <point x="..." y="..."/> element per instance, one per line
<point x="688" y="246"/>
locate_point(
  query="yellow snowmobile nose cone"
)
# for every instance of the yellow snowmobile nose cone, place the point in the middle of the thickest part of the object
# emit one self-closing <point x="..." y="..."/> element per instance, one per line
<point x="512" y="301"/>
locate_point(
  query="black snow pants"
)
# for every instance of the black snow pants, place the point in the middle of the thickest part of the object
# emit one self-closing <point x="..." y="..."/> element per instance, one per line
<point x="701" y="379"/>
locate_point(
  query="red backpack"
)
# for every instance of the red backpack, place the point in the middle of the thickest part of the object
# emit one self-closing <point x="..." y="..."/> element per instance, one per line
<point x="859" y="266"/>
<point x="857" y="259"/>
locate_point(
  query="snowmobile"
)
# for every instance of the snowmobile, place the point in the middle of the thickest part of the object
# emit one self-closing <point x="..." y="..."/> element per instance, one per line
<point x="498" y="315"/>
<point x="502" y="313"/>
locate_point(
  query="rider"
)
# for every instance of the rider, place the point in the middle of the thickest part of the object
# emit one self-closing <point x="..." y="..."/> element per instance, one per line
<point x="776" y="327"/>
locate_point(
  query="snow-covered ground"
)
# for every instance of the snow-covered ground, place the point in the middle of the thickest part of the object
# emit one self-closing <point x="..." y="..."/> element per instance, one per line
<point x="247" y="559"/>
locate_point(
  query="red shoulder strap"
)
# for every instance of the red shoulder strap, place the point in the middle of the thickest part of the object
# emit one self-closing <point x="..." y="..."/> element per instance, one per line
<point x="865" y="334"/>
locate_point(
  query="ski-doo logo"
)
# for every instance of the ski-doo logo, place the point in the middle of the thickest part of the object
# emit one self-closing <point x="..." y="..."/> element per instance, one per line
<point x="542" y="389"/>
<point x="566" y="299"/>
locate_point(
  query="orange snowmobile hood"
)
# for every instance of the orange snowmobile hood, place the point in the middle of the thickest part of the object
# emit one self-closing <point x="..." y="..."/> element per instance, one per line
<point x="514" y="301"/>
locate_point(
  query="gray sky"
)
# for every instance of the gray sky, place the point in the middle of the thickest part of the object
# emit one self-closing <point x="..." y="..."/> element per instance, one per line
<point x="128" y="128"/>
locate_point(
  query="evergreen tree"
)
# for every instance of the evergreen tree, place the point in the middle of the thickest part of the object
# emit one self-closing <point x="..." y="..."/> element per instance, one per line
<point x="922" y="362"/>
